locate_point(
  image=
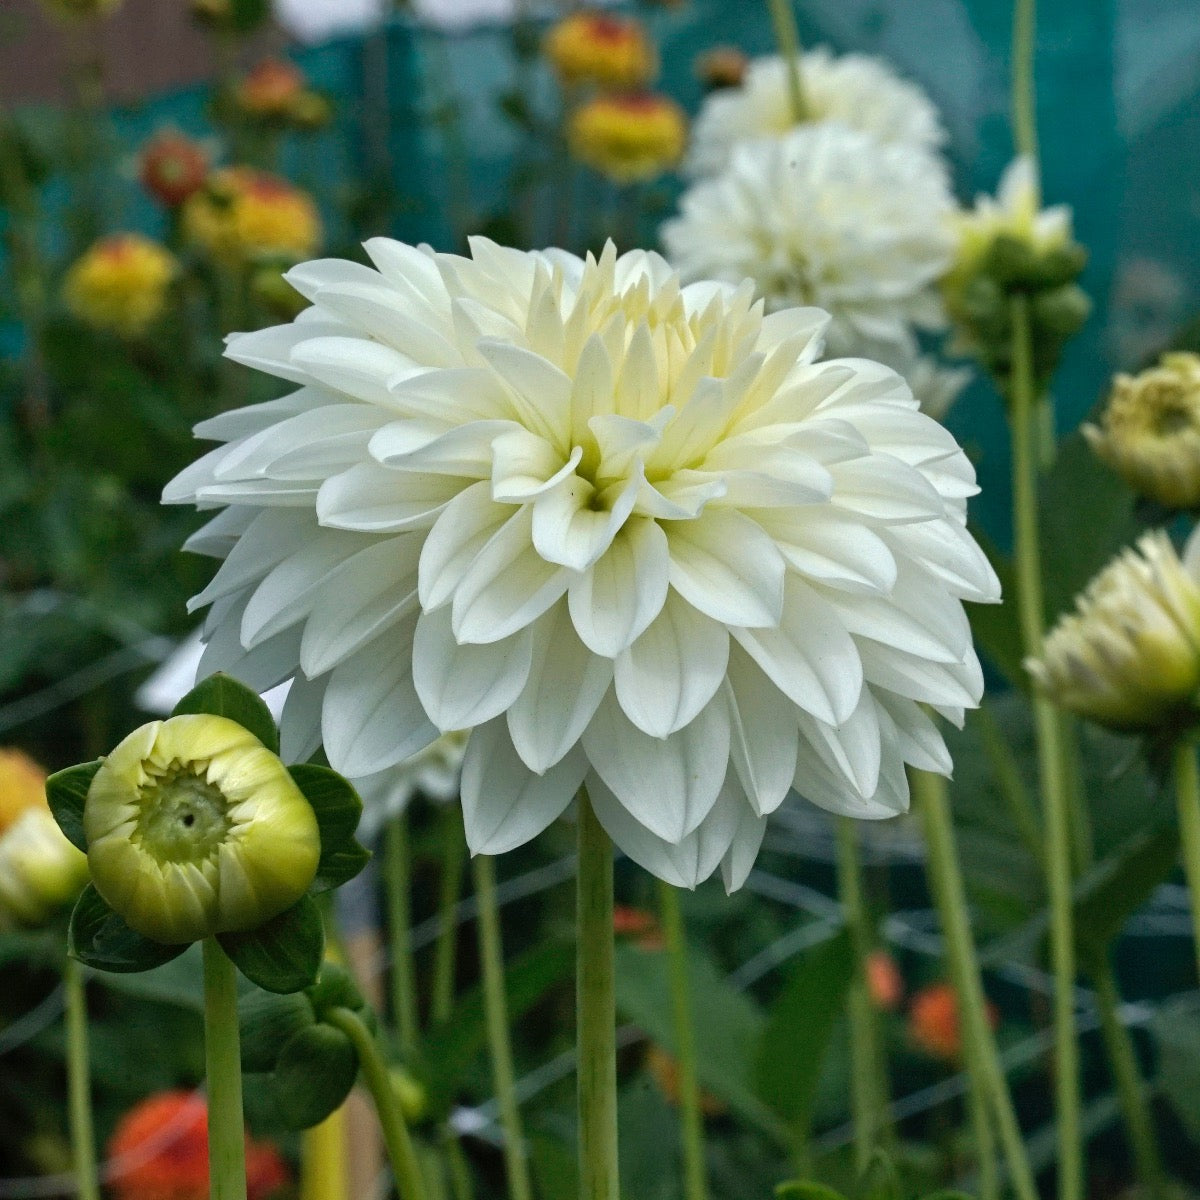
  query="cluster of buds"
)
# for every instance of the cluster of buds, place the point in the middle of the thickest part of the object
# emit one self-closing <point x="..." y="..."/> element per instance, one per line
<point x="1009" y="247"/>
<point x="276" y="94"/>
<point x="1149" y="431"/>
<point x="120" y="284"/>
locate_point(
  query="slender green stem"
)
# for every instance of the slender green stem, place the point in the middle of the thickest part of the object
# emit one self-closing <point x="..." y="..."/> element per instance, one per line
<point x="982" y="1132"/>
<point x="445" y="952"/>
<point x="79" y="1084"/>
<point x="1187" y="797"/>
<point x="491" y="954"/>
<point x="406" y="1167"/>
<point x="223" y="1064"/>
<point x="691" y="1117"/>
<point x="787" y="37"/>
<point x="595" y="1006"/>
<point x="457" y="1167"/>
<point x="1024" y="94"/>
<point x="985" y="1073"/>
<point x="1007" y="775"/>
<point x="398" y="882"/>
<point x="1052" y="770"/>
<point x="1131" y="1088"/>
<point x="868" y="1083"/>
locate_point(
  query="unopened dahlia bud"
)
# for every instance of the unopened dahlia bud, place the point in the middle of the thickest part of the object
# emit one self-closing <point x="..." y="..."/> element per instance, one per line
<point x="195" y="828"/>
<point x="1149" y="433"/>
<point x="631" y="139"/>
<point x="601" y="49"/>
<point x="722" y="67"/>
<point x="40" y="871"/>
<point x="1129" y="655"/>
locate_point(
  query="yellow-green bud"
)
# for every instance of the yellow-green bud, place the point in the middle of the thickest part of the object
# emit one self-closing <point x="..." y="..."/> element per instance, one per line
<point x="1129" y="655"/>
<point x="195" y="828"/>
<point x="414" y="1103"/>
<point x="40" y="871"/>
<point x="1149" y="433"/>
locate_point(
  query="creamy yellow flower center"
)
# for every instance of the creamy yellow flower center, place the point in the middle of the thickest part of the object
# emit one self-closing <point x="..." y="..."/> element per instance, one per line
<point x="183" y="817"/>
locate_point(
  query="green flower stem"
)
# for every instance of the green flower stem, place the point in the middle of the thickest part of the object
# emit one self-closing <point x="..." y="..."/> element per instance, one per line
<point x="691" y="1118"/>
<point x="596" y="1011"/>
<point x="1187" y="797"/>
<point x="456" y="1167"/>
<point x="1024" y="95"/>
<point x="1052" y="766"/>
<point x="397" y="868"/>
<point x="787" y="38"/>
<point x="491" y="954"/>
<point x="985" y="1073"/>
<point x="445" y="952"/>
<point x="1007" y="774"/>
<point x="406" y="1167"/>
<point x="868" y="1083"/>
<point x="982" y="1132"/>
<point x="79" y="1084"/>
<point x="223" y="1064"/>
<point x="1131" y="1088"/>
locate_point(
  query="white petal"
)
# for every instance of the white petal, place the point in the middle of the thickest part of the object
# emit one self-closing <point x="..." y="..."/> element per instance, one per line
<point x="748" y="835"/>
<point x="462" y="530"/>
<point x="763" y="733"/>
<point x="269" y="538"/>
<point x="539" y="391"/>
<point x="381" y="311"/>
<point x="613" y="602"/>
<point x="300" y="721"/>
<point x="505" y="804"/>
<point x="454" y="394"/>
<point x="373" y="499"/>
<point x="672" y="670"/>
<point x="525" y="465"/>
<point x="853" y="748"/>
<point x="668" y="784"/>
<point x="354" y="366"/>
<point x="254" y="418"/>
<point x="464" y="450"/>
<point x="832" y="548"/>
<point x="566" y="528"/>
<point x="566" y="682"/>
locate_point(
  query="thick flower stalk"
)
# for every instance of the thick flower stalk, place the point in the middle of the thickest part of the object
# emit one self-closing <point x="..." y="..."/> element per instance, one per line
<point x="825" y="215"/>
<point x="195" y="828"/>
<point x="634" y="535"/>
<point x="855" y="90"/>
<point x="1149" y="431"/>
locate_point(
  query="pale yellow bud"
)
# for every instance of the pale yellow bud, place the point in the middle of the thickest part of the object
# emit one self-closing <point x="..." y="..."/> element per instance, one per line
<point x="40" y="871"/>
<point x="1149" y="433"/>
<point x="195" y="828"/>
<point x="1129" y="655"/>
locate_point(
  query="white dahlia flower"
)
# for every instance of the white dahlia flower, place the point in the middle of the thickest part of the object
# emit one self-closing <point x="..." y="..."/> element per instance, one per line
<point x="434" y="772"/>
<point x="633" y="535"/>
<point x="851" y="89"/>
<point x="825" y="216"/>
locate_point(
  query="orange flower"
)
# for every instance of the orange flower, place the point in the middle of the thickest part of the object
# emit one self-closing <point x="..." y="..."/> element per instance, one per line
<point x="159" y="1151"/>
<point x="172" y="167"/>
<point x="664" y="1070"/>
<point x="638" y="926"/>
<point x="934" y="1023"/>
<point x="884" y="981"/>
<point x="22" y="785"/>
<point x="270" y="89"/>
<point x="602" y="49"/>
<point x="721" y="67"/>
<point x="630" y="139"/>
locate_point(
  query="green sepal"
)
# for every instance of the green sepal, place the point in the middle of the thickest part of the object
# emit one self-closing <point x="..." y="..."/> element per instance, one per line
<point x="338" y="808"/>
<point x="267" y="1022"/>
<point x="66" y="792"/>
<point x="313" y="1075"/>
<point x="285" y="953"/>
<point x="335" y="988"/>
<point x="221" y="695"/>
<point x="98" y="937"/>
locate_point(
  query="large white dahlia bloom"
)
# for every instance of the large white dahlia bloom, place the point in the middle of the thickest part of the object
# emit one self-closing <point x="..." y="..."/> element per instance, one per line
<point x="633" y="535"/>
<point x="851" y="89"/>
<point x="825" y="216"/>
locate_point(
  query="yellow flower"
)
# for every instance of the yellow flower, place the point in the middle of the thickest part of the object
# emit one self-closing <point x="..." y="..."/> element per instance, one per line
<point x="243" y="214"/>
<point x="1129" y="655"/>
<point x="629" y="138"/>
<point x="1149" y="433"/>
<point x="195" y="828"/>
<point x="40" y="871"/>
<point x="598" y="48"/>
<point x="120" y="284"/>
<point x="22" y="786"/>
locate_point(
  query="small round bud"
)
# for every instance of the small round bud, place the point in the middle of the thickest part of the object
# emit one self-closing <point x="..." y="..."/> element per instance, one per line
<point x="1061" y="312"/>
<point x="40" y="871"/>
<point x="414" y="1102"/>
<point x="722" y="67"/>
<point x="171" y="167"/>
<point x="195" y="828"/>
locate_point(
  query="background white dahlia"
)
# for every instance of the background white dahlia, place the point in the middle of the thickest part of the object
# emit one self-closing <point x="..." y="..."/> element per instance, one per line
<point x="632" y="534"/>
<point x="857" y="90"/>
<point x="825" y="216"/>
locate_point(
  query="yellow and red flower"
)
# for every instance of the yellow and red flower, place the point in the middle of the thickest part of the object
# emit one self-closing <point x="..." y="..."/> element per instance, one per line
<point x="602" y="49"/>
<point x="629" y="138"/>
<point x="172" y="166"/>
<point x="120" y="284"/>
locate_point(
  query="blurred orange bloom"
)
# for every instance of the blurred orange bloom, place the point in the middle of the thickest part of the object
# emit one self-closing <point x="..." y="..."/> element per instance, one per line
<point x="884" y="981"/>
<point x="722" y="67"/>
<point x="638" y="925"/>
<point x="664" y="1069"/>
<point x="22" y="785"/>
<point x="172" y="166"/>
<point x="630" y="139"/>
<point x="934" y="1023"/>
<point x="270" y="88"/>
<point x="602" y="49"/>
<point x="159" y="1151"/>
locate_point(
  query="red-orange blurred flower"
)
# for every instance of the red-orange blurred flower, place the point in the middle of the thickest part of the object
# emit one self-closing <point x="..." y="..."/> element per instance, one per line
<point x="934" y="1023"/>
<point x="722" y="67"/>
<point x="270" y="88"/>
<point x="884" y="981"/>
<point x="599" y="48"/>
<point x="638" y="925"/>
<point x="664" y="1070"/>
<point x="159" y="1151"/>
<point x="172" y="167"/>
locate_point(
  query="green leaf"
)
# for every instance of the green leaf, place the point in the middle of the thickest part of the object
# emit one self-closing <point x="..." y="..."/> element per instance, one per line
<point x="99" y="938"/>
<point x="881" y="1180"/>
<point x="315" y="1071"/>
<point x="806" y="1189"/>
<point x="1176" y="1030"/>
<point x="285" y="954"/>
<point x="223" y="696"/>
<point x="67" y="792"/>
<point x="791" y="1050"/>
<point x="338" y="809"/>
<point x="267" y="1022"/>
<point x="179" y="982"/>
